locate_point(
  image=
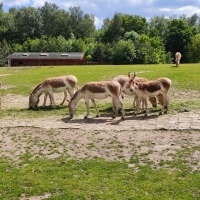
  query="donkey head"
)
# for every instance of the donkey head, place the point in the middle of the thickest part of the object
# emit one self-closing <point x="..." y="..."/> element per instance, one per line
<point x="33" y="101"/>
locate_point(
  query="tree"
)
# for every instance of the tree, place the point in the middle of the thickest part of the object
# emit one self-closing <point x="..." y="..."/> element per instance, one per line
<point x="4" y="52"/>
<point x="27" y="24"/>
<point x="194" y="55"/>
<point x="134" y="23"/>
<point x="150" y="50"/>
<point x="48" y="16"/>
<point x="124" y="52"/>
<point x="158" y="27"/>
<point x="114" y="31"/>
<point x="179" y="37"/>
<point x="82" y="25"/>
<point x="98" y="54"/>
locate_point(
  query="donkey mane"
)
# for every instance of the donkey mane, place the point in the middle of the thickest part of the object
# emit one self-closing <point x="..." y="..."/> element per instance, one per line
<point x="36" y="88"/>
<point x="75" y="95"/>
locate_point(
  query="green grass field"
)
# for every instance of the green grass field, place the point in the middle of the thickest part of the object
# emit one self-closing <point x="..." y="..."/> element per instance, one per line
<point x="97" y="178"/>
<point x="23" y="80"/>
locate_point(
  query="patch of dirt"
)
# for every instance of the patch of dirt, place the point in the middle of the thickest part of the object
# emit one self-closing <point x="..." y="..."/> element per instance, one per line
<point x="155" y="140"/>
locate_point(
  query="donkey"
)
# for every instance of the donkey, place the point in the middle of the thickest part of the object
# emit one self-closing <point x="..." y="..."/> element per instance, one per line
<point x="124" y="82"/>
<point x="178" y="58"/>
<point x="151" y="88"/>
<point x="51" y="85"/>
<point x="98" y="90"/>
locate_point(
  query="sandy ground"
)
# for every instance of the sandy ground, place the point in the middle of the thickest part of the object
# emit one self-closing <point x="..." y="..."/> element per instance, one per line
<point x="155" y="140"/>
<point x="100" y="137"/>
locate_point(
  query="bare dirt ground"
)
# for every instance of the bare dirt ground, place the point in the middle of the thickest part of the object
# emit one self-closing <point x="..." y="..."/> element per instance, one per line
<point x="151" y="140"/>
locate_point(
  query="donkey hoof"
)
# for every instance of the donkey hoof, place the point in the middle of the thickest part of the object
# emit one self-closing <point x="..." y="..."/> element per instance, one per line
<point x="160" y="113"/>
<point x="97" y="115"/>
<point x="85" y="117"/>
<point x="145" y="114"/>
<point x="135" y="114"/>
<point x="113" y="116"/>
<point x="123" y="118"/>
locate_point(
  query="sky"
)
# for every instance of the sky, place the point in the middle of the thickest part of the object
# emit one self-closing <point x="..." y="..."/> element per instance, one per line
<point x="103" y="9"/>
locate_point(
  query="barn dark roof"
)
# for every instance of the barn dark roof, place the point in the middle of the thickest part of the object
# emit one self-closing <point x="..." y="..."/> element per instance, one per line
<point x="46" y="55"/>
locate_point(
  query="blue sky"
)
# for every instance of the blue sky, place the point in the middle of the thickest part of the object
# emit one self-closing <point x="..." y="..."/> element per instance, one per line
<point x="102" y="9"/>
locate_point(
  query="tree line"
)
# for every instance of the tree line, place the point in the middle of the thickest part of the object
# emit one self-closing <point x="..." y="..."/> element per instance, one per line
<point x="123" y="39"/>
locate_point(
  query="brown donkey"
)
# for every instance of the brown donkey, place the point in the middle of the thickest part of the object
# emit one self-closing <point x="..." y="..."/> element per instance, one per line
<point x="97" y="90"/>
<point x="49" y="86"/>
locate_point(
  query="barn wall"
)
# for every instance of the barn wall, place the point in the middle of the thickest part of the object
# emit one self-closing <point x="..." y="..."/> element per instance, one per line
<point x="46" y="62"/>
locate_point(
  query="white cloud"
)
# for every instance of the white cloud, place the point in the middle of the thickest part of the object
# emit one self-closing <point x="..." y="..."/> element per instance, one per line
<point x="13" y="3"/>
<point x="103" y="9"/>
<point x="98" y="22"/>
<point x="187" y="10"/>
<point x="38" y="3"/>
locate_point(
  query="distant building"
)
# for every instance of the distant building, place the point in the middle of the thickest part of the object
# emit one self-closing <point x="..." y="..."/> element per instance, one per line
<point x="46" y="58"/>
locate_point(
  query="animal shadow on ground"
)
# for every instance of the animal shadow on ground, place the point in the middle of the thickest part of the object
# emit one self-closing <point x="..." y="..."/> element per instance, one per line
<point x="105" y="116"/>
<point x="47" y="108"/>
<point x="96" y="120"/>
<point x="174" y="66"/>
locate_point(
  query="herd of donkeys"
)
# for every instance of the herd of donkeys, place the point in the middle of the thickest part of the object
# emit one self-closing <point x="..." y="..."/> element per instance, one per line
<point x="142" y="90"/>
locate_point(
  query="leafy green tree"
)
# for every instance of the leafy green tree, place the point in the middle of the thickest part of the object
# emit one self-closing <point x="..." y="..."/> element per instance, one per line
<point x="150" y="50"/>
<point x="134" y="23"/>
<point x="194" y="55"/>
<point x="124" y="52"/>
<point x="4" y="52"/>
<point x="27" y="24"/>
<point x="48" y="16"/>
<point x="82" y="25"/>
<point x="179" y="37"/>
<point x="158" y="27"/>
<point x="102" y="53"/>
<point x="113" y="31"/>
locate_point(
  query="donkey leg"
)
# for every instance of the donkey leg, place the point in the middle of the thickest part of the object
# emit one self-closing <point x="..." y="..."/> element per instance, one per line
<point x="45" y="99"/>
<point x="87" y="108"/>
<point x="52" y="98"/>
<point x="95" y="106"/>
<point x="137" y="106"/>
<point x="121" y="106"/>
<point x="164" y="104"/>
<point x="146" y="106"/>
<point x="65" y="96"/>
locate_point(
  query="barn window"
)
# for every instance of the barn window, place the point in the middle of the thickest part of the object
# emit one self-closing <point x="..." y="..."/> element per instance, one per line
<point x="44" y="54"/>
<point x="64" y="54"/>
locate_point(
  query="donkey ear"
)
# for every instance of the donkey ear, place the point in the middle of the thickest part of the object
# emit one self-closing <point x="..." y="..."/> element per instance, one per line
<point x="134" y="75"/>
<point x="129" y="74"/>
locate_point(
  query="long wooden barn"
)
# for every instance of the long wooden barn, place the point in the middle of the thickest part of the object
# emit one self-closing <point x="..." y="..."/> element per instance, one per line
<point x="46" y="58"/>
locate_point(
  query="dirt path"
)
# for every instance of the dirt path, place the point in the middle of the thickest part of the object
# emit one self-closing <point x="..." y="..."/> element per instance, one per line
<point x="154" y="139"/>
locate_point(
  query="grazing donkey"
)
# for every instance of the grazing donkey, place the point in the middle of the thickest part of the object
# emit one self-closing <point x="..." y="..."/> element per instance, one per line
<point x="159" y="99"/>
<point x="151" y="88"/>
<point x="178" y="58"/>
<point x="51" y="85"/>
<point x="98" y="90"/>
